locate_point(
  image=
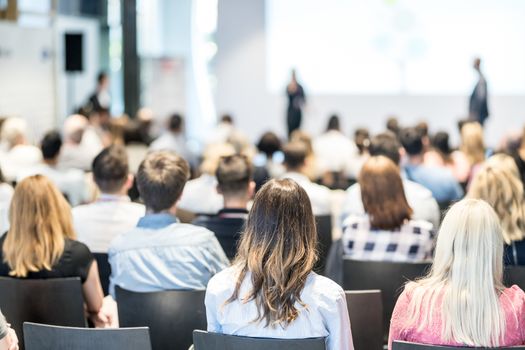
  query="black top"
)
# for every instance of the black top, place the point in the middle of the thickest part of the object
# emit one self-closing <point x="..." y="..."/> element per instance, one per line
<point x="74" y="262"/>
<point x="227" y="226"/>
<point x="514" y="253"/>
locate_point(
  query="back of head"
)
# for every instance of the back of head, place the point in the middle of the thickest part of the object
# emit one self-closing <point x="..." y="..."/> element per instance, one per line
<point x="333" y="123"/>
<point x="40" y="219"/>
<point x="385" y="144"/>
<point x="466" y="275"/>
<point x="269" y="143"/>
<point x="392" y="125"/>
<point x="227" y="119"/>
<point x="212" y="154"/>
<point x="362" y="139"/>
<point x="111" y="169"/>
<point x="502" y="188"/>
<point x="422" y="127"/>
<point x="440" y="142"/>
<point x="472" y="142"/>
<point x="51" y="144"/>
<point x="234" y="175"/>
<point x="161" y="178"/>
<point x="382" y="194"/>
<point x="74" y="127"/>
<point x="278" y="249"/>
<point x="295" y="154"/>
<point x="14" y="131"/>
<point x="301" y="136"/>
<point x="175" y="123"/>
<point x="412" y="141"/>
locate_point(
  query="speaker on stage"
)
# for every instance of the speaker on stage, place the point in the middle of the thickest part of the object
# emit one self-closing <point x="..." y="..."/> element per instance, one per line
<point x="73" y="44"/>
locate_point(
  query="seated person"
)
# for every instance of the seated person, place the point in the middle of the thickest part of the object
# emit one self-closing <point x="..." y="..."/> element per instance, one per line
<point x="173" y="139"/>
<point x="295" y="154"/>
<point x="235" y="183"/>
<point x="271" y="290"/>
<point x="462" y="301"/>
<point x="386" y="232"/>
<point x="161" y="253"/>
<point x="113" y="213"/>
<point x="8" y="338"/>
<point x="40" y="243"/>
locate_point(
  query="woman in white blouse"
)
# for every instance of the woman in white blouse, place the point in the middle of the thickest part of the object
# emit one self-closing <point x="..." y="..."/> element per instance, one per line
<point x="271" y="290"/>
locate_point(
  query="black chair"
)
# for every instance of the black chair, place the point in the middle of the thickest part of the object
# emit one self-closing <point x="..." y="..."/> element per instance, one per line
<point x="213" y="341"/>
<point x="402" y="345"/>
<point x="170" y="315"/>
<point x="324" y="236"/>
<point x="46" y="337"/>
<point x="388" y="277"/>
<point x="50" y="301"/>
<point x="365" y="309"/>
<point x="515" y="275"/>
<point x="104" y="270"/>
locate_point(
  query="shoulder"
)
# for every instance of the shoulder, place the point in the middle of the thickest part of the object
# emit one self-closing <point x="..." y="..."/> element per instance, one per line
<point x="322" y="290"/>
<point x="420" y="225"/>
<point x="414" y="189"/>
<point x="76" y="247"/>
<point x="223" y="282"/>
<point x="355" y="222"/>
<point x="515" y="294"/>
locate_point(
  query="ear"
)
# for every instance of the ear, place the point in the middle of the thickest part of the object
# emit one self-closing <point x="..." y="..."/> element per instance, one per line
<point x="251" y="189"/>
<point x="129" y="182"/>
<point x="402" y="152"/>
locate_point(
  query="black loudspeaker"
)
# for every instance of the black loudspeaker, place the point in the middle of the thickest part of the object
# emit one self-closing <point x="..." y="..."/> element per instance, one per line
<point x="73" y="44"/>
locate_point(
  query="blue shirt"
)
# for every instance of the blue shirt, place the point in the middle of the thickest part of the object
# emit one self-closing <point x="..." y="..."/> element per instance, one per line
<point x="163" y="254"/>
<point x="439" y="181"/>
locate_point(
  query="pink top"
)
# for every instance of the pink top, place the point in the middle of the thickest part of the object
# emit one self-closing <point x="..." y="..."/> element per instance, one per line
<point x="512" y="301"/>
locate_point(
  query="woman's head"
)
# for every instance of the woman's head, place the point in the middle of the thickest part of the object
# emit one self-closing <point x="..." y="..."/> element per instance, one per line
<point x="440" y="142"/>
<point x="472" y="142"/>
<point x="382" y="194"/>
<point x="40" y="219"/>
<point x="278" y="250"/>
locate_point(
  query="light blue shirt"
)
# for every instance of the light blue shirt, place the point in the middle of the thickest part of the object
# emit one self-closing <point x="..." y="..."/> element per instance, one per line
<point x="439" y="181"/>
<point x="163" y="254"/>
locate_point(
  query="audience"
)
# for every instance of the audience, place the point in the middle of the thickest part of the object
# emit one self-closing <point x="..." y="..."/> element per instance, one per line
<point x="295" y="154"/>
<point x="271" y="290"/>
<point x="440" y="154"/>
<point x="419" y="198"/>
<point x="173" y="139"/>
<point x="386" y="232"/>
<point x="439" y="181"/>
<point x="6" y="193"/>
<point x="462" y="301"/>
<point x="78" y="150"/>
<point x="270" y="147"/>
<point x="161" y="253"/>
<point x="472" y="146"/>
<point x="362" y="141"/>
<point x="519" y="157"/>
<point x="112" y="213"/>
<point x="8" y="338"/>
<point x="235" y="183"/>
<point x="40" y="243"/>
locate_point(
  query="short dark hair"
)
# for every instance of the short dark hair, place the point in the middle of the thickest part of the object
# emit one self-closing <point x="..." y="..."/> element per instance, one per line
<point x="51" y="144"/>
<point x="362" y="139"/>
<point x="161" y="178"/>
<point x="295" y="154"/>
<point x="333" y="123"/>
<point x="385" y="144"/>
<point x="110" y="169"/>
<point x="440" y="141"/>
<point x="422" y="127"/>
<point x="226" y="118"/>
<point x="175" y="122"/>
<point x="411" y="140"/>
<point x="392" y="124"/>
<point x="269" y="144"/>
<point x="234" y="174"/>
<point x="101" y="76"/>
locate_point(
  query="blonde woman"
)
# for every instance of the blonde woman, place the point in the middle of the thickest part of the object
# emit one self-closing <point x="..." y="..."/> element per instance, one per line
<point x="471" y="152"/>
<point x="40" y="243"/>
<point x="271" y="290"/>
<point x="462" y="301"/>
<point x="498" y="183"/>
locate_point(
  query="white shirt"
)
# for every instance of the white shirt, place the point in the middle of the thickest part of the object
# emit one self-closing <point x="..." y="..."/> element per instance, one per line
<point x="6" y="193"/>
<point x="320" y="196"/>
<point x="419" y="198"/>
<point x="334" y="152"/>
<point x="19" y="159"/>
<point x="98" y="223"/>
<point x="200" y="196"/>
<point x="325" y="314"/>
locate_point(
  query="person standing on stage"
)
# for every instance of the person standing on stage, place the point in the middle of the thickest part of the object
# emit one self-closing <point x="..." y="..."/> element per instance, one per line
<point x="478" y="107"/>
<point x="296" y="100"/>
<point x="101" y="99"/>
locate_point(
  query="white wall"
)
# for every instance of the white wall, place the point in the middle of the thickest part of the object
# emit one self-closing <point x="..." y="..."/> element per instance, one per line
<point x="240" y="68"/>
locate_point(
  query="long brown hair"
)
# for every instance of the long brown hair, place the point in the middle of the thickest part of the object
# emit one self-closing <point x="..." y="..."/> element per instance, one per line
<point x="40" y="220"/>
<point x="382" y="194"/>
<point x="278" y="249"/>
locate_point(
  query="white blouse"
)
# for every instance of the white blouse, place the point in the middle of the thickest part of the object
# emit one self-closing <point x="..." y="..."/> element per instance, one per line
<point x="325" y="313"/>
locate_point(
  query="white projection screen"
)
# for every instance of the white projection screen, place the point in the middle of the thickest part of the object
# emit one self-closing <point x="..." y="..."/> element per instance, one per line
<point x="392" y="47"/>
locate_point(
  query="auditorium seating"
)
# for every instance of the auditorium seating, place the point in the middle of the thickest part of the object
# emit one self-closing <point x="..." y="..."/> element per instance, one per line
<point x="324" y="236"/>
<point x="170" y="315"/>
<point x="46" y="337"/>
<point x="104" y="270"/>
<point x="365" y="309"/>
<point x="203" y="340"/>
<point x="49" y="301"/>
<point x="401" y="345"/>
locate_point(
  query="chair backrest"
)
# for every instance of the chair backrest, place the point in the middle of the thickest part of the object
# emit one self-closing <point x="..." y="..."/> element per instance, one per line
<point x="388" y="277"/>
<point x="52" y="301"/>
<point x="203" y="340"/>
<point x="324" y="241"/>
<point x="170" y="315"/>
<point x="402" y="345"/>
<point x="365" y="309"/>
<point x="515" y="275"/>
<point x="104" y="270"/>
<point x="46" y="337"/>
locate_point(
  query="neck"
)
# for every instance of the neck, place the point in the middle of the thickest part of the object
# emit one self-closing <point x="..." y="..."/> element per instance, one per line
<point x="235" y="203"/>
<point x="171" y="211"/>
<point x="51" y="162"/>
<point x="416" y="159"/>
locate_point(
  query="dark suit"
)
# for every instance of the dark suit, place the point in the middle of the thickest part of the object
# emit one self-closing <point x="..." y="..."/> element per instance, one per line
<point x="294" y="114"/>
<point x="478" y="106"/>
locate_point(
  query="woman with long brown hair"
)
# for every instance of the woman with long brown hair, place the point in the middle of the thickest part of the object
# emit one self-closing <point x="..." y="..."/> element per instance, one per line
<point x="40" y="243"/>
<point x="386" y="232"/>
<point x="271" y="290"/>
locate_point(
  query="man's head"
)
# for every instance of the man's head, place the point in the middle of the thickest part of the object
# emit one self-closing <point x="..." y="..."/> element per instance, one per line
<point x="160" y="179"/>
<point x="385" y="144"/>
<point x="476" y="64"/>
<point x="295" y="154"/>
<point x="111" y="170"/>
<point x="235" y="178"/>
<point x="102" y="80"/>
<point x="50" y="145"/>
<point x="411" y="140"/>
<point x="14" y="131"/>
<point x="74" y="127"/>
<point x="227" y="119"/>
<point x="175" y="123"/>
<point x="269" y="143"/>
<point x="333" y="123"/>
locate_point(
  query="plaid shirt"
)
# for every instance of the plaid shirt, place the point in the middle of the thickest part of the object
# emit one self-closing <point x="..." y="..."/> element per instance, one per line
<point x="412" y="242"/>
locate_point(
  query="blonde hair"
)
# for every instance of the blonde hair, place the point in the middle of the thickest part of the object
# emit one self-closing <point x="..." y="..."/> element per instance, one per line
<point x="212" y="154"/>
<point x="472" y="142"/>
<point x="40" y="221"/>
<point x="498" y="183"/>
<point x="14" y="131"/>
<point x="465" y="280"/>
